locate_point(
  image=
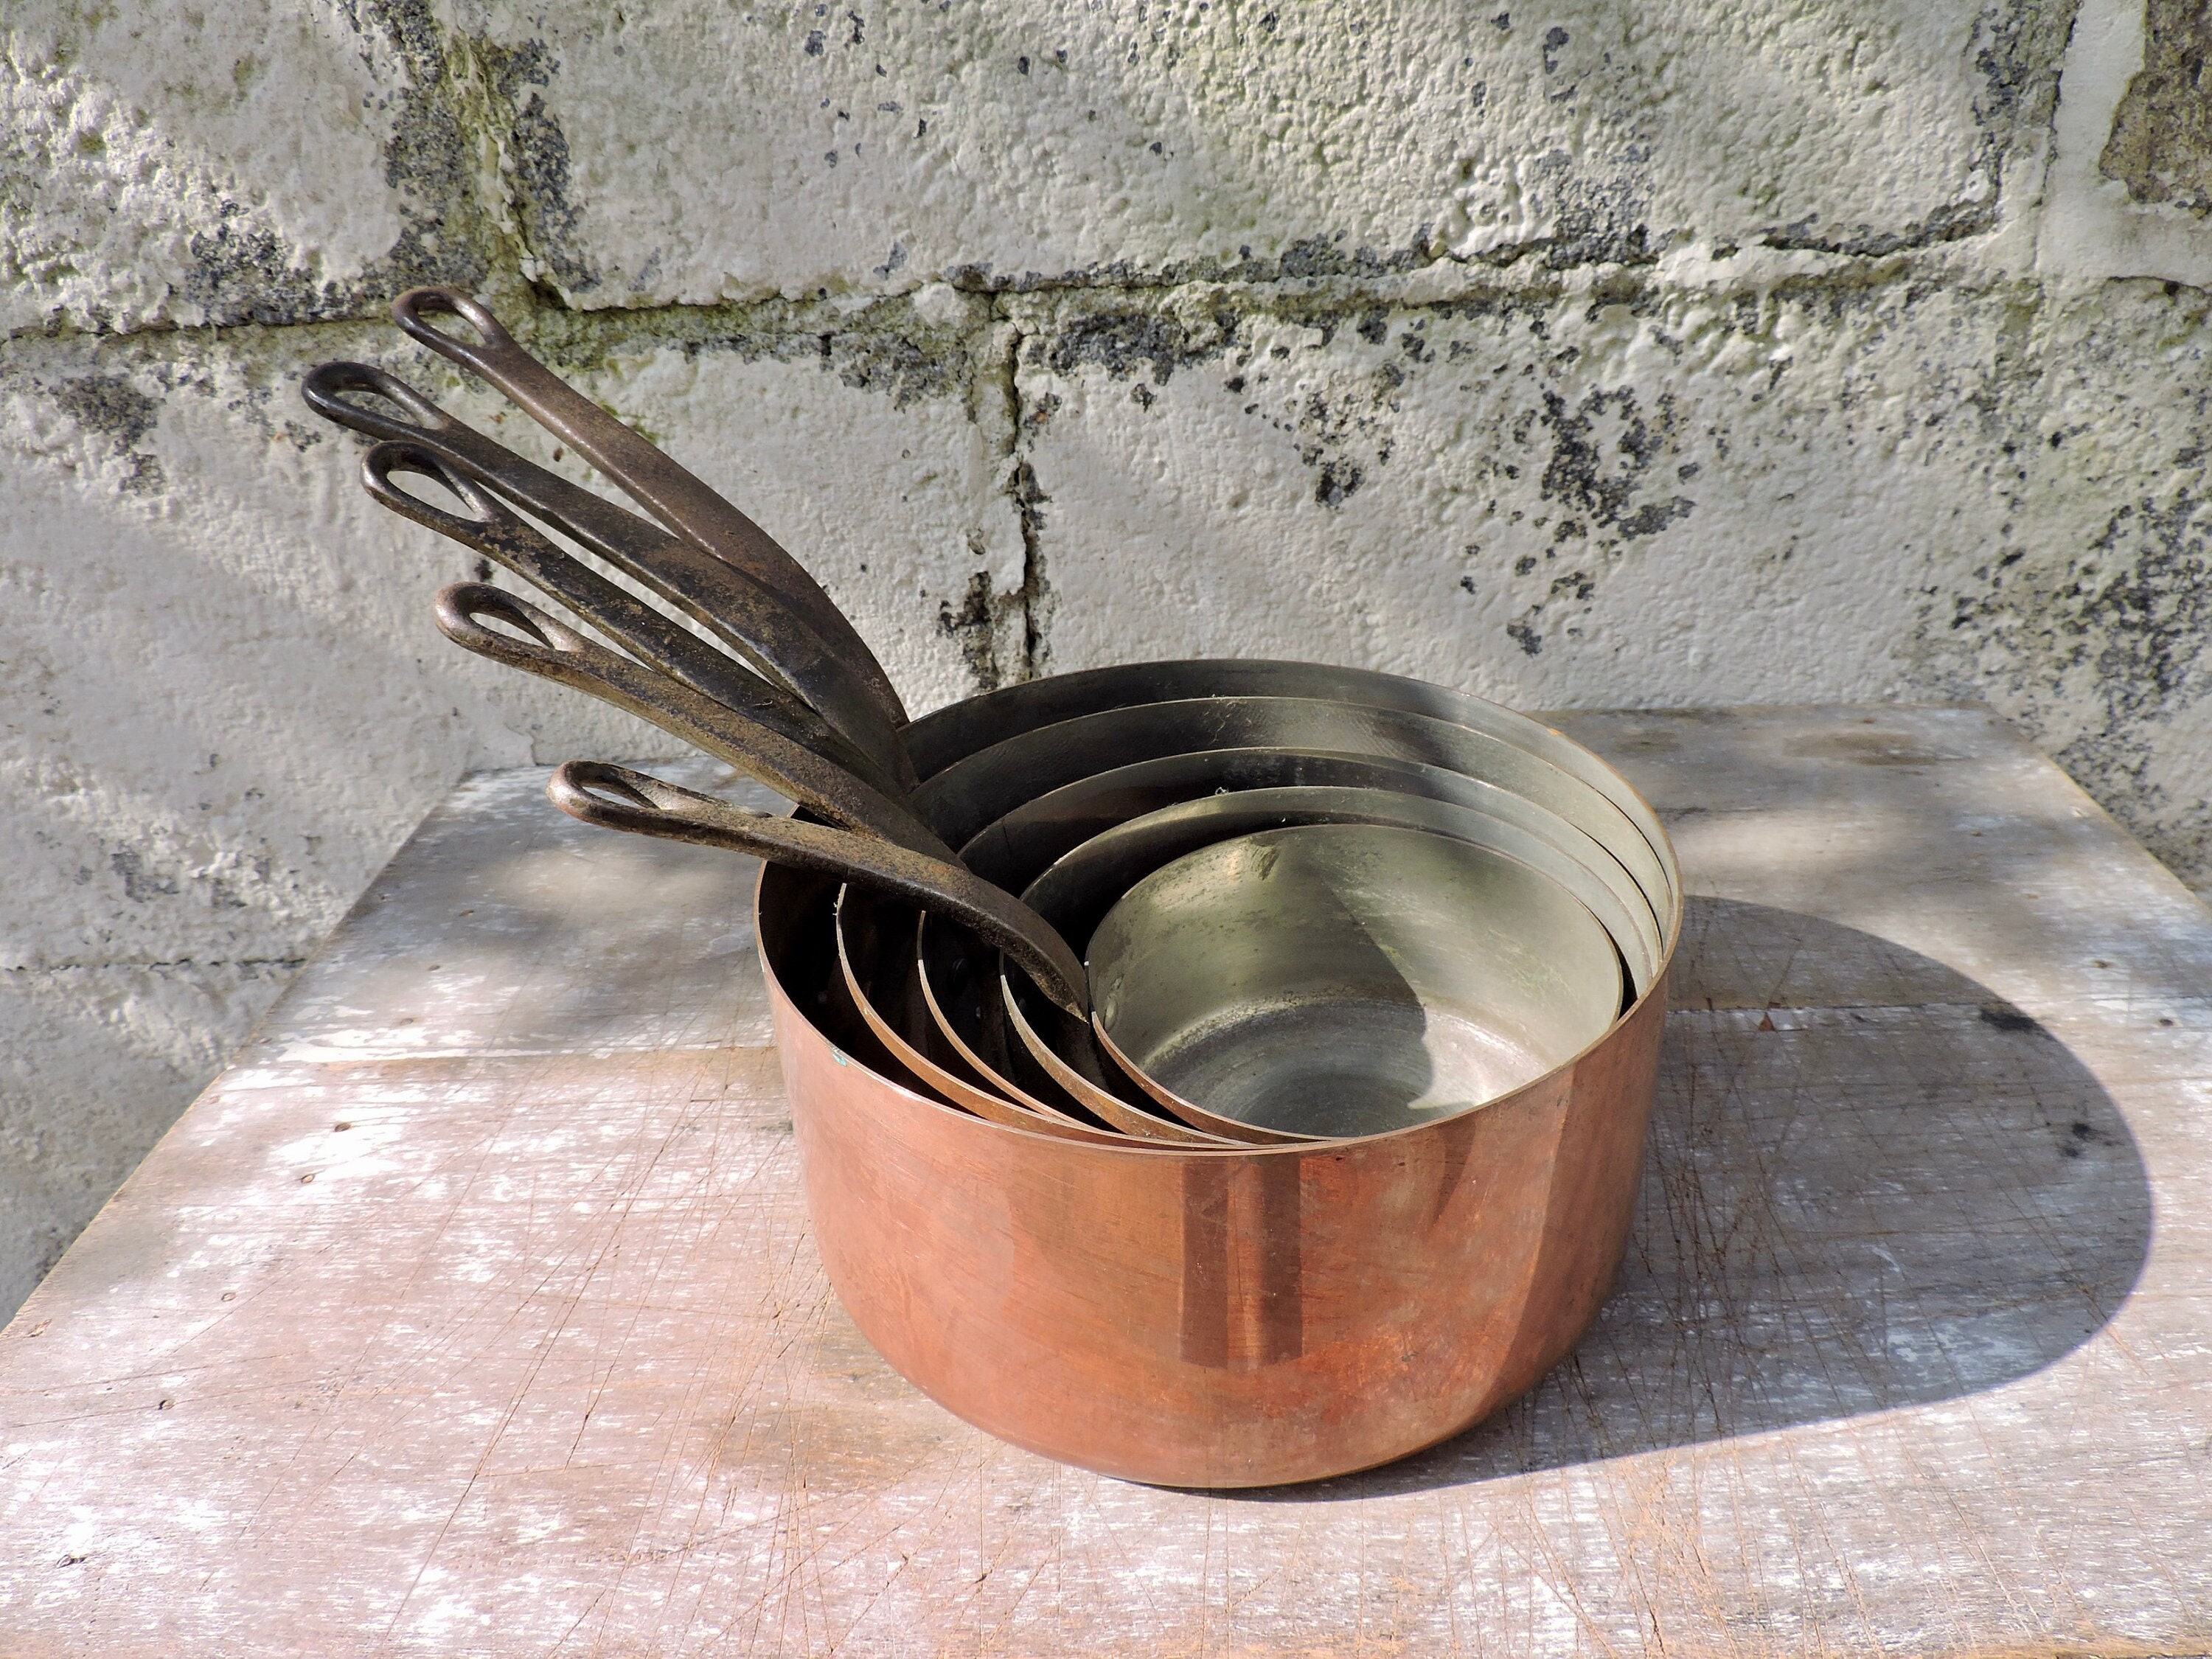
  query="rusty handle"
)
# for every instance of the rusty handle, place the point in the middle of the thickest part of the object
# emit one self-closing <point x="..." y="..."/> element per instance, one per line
<point x="538" y="644"/>
<point x="616" y="798"/>
<point x="747" y="618"/>
<point x="652" y="478"/>
<point x="656" y="641"/>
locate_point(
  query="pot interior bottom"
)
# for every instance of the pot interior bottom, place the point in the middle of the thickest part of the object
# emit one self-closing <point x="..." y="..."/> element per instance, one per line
<point x="1342" y="1066"/>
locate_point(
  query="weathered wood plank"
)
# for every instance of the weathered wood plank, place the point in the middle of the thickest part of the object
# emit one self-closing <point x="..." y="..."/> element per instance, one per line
<point x="1912" y="1352"/>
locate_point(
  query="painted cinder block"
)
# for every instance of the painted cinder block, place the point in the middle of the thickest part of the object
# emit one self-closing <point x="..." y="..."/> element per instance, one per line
<point x="694" y="152"/>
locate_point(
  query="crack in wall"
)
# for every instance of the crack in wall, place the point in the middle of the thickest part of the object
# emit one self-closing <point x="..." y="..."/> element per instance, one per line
<point x="1035" y="592"/>
<point x="1871" y="260"/>
<point x="580" y="338"/>
<point x="26" y="971"/>
<point x="991" y="614"/>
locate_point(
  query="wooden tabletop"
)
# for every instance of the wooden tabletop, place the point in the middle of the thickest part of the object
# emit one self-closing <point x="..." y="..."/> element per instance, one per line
<point x="474" y="1311"/>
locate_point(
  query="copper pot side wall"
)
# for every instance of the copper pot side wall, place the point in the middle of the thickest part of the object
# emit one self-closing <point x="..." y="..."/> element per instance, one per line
<point x="1221" y="1319"/>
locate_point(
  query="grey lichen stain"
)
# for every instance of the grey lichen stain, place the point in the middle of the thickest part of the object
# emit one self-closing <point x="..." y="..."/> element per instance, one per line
<point x="110" y="405"/>
<point x="1581" y="477"/>
<point x="242" y="272"/>
<point x="2018" y="50"/>
<point x="520" y="77"/>
<point x="140" y="885"/>
<point x="2141" y="631"/>
<point x="1338" y="480"/>
<point x="1311" y="259"/>
<point x="2118" y="626"/>
<point x="1604" y="450"/>
<point x="904" y="361"/>
<point x="974" y="627"/>
<point x="1124" y="342"/>
<point x="2160" y="146"/>
<point x="122" y="416"/>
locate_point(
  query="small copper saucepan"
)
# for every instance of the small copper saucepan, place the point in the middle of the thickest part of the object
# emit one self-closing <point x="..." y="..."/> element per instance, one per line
<point x="1344" y="979"/>
<point x="1078" y="891"/>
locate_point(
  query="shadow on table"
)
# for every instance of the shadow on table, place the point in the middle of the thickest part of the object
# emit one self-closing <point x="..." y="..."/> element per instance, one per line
<point x="1871" y="1182"/>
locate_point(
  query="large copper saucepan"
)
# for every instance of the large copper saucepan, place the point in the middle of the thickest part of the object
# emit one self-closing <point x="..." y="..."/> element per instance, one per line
<point x="1237" y="1317"/>
<point x="1231" y="1317"/>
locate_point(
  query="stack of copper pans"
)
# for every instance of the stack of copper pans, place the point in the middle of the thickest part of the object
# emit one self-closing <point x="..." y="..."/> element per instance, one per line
<point x="1216" y="1073"/>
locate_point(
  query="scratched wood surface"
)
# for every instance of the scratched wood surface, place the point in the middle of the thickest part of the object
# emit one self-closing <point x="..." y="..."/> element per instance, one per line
<point x="474" y="1311"/>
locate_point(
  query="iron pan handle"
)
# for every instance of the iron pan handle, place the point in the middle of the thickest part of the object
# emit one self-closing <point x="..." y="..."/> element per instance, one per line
<point x="651" y="478"/>
<point x="538" y="644"/>
<point x="748" y="618"/>
<point x="616" y="798"/>
<point x="653" y="638"/>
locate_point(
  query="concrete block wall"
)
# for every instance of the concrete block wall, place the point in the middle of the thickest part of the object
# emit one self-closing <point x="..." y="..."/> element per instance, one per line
<point x="1588" y="352"/>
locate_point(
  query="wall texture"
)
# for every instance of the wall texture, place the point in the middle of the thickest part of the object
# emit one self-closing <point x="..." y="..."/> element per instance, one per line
<point x="1590" y="352"/>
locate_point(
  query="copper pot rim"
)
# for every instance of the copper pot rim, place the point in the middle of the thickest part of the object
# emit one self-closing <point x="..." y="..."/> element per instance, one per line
<point x="968" y="1121"/>
<point x="1646" y="820"/>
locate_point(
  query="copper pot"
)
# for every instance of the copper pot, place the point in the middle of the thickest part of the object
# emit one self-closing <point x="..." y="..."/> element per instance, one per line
<point x="1208" y="1318"/>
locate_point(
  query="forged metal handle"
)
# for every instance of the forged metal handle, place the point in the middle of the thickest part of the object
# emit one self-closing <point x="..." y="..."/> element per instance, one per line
<point x="328" y="385"/>
<point x="616" y="798"/>
<point x="543" y="646"/>
<point x="748" y="618"/>
<point x="653" y="638"/>
<point x="652" y="478"/>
